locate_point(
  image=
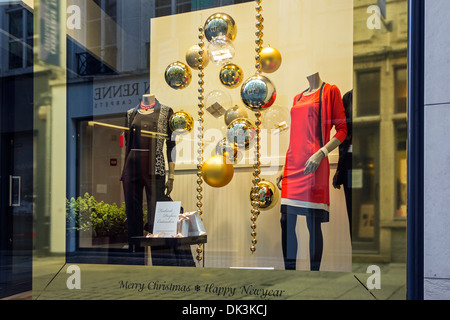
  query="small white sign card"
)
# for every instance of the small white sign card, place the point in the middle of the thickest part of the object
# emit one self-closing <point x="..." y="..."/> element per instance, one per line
<point x="166" y="218"/>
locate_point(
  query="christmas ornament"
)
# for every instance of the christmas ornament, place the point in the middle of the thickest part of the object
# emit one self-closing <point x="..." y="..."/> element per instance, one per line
<point x="194" y="59"/>
<point x="231" y="75"/>
<point x="181" y="122"/>
<point x="217" y="171"/>
<point x="178" y="75"/>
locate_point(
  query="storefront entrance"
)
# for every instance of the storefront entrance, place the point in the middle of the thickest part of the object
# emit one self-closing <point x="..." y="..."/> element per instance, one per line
<point x="16" y="204"/>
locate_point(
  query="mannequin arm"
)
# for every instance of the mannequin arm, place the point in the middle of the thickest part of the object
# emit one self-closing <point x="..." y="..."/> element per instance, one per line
<point x="169" y="183"/>
<point x="313" y="163"/>
<point x="279" y="180"/>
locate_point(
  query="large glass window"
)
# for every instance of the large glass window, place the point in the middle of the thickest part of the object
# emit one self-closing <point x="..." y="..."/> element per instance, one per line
<point x="20" y="37"/>
<point x="152" y="161"/>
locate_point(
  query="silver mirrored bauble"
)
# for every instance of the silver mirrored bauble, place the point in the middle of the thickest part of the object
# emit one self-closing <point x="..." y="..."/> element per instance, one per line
<point x="258" y="93"/>
<point x="242" y="133"/>
<point x="228" y="149"/>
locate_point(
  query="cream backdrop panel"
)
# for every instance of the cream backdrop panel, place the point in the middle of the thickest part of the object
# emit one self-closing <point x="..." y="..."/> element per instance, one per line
<point x="312" y="36"/>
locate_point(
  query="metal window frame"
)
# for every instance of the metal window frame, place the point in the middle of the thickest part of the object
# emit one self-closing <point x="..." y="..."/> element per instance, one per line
<point x="415" y="216"/>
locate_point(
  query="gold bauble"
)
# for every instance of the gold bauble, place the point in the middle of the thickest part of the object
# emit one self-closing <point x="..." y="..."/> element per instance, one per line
<point x="270" y="59"/>
<point x="178" y="75"/>
<point x="220" y="25"/>
<point x="235" y="113"/>
<point x="268" y="195"/>
<point x="181" y="122"/>
<point x="217" y="171"/>
<point x="231" y="75"/>
<point x="192" y="57"/>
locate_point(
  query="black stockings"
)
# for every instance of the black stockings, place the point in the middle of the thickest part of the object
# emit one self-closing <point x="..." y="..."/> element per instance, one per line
<point x="290" y="243"/>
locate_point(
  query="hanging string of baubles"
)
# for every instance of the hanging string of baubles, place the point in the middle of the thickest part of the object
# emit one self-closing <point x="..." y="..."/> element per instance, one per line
<point x="258" y="94"/>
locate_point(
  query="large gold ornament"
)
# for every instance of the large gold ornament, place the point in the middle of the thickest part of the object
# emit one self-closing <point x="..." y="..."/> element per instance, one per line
<point x="258" y="93"/>
<point x="220" y="25"/>
<point x="178" y="75"/>
<point x="270" y="59"/>
<point x="181" y="122"/>
<point x="266" y="193"/>
<point x="217" y="171"/>
<point x="235" y="113"/>
<point x="194" y="59"/>
<point x="241" y="132"/>
<point x="231" y="75"/>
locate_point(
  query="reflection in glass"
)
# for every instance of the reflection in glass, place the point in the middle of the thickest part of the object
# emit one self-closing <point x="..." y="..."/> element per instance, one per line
<point x="368" y="84"/>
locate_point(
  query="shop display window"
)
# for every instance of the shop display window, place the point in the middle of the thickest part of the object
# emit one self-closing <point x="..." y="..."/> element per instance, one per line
<point x="198" y="145"/>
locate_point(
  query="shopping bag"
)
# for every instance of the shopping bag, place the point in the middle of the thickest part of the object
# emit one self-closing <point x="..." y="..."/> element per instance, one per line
<point x="190" y="224"/>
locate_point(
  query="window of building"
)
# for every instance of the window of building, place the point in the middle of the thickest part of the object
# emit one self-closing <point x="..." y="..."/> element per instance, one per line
<point x="365" y="186"/>
<point x="168" y="7"/>
<point x="101" y="39"/>
<point x="401" y="89"/>
<point x="20" y="41"/>
<point x="368" y="84"/>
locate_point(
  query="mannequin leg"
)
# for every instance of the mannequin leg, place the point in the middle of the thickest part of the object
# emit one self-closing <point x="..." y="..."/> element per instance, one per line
<point x="348" y="200"/>
<point x="133" y="191"/>
<point x="347" y="184"/>
<point x="315" y="241"/>
<point x="289" y="240"/>
<point x="155" y="187"/>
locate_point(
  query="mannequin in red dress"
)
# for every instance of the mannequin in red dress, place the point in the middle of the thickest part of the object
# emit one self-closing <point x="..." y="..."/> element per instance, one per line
<point x="305" y="179"/>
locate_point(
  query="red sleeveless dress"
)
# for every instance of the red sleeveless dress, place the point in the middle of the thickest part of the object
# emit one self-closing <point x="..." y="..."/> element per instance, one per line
<point x="311" y="191"/>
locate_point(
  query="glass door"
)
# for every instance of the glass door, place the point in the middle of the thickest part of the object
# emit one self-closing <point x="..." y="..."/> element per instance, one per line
<point x="16" y="187"/>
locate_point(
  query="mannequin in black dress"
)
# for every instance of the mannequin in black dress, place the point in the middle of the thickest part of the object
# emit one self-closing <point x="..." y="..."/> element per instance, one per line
<point x="145" y="169"/>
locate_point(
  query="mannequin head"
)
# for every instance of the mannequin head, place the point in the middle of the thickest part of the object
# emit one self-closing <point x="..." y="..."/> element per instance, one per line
<point x="148" y="99"/>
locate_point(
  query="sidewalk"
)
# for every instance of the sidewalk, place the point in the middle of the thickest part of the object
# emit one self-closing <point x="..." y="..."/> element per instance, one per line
<point x="122" y="282"/>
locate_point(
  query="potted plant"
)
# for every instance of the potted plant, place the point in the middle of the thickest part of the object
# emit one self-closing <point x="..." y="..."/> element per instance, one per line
<point x="105" y="222"/>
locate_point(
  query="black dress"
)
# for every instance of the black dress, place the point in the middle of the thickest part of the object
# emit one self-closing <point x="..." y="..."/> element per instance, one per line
<point x="145" y="169"/>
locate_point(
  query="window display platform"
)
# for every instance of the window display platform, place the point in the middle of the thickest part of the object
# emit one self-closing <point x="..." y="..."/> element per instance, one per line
<point x="170" y="242"/>
<point x="171" y="251"/>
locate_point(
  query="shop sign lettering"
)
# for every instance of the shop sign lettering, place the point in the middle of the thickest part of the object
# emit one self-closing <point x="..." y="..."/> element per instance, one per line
<point x="118" y="95"/>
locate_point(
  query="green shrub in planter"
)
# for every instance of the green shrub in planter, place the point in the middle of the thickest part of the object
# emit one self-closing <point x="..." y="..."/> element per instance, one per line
<point x="86" y="214"/>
